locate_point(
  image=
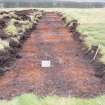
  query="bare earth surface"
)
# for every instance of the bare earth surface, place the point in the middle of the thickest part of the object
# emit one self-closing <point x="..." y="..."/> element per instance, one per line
<point x="69" y="74"/>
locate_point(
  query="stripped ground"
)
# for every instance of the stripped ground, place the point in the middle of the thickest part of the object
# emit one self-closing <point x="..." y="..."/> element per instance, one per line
<point x="69" y="75"/>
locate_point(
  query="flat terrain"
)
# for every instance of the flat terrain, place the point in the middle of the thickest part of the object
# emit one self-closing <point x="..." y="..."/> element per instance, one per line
<point x="69" y="75"/>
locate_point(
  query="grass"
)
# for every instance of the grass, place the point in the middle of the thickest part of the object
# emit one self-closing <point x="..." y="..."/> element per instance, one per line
<point x="30" y="99"/>
<point x="92" y="24"/>
<point x="11" y="30"/>
<point x="4" y="45"/>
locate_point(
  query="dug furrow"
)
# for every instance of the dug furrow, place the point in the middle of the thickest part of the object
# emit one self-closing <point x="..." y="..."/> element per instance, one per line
<point x="69" y="73"/>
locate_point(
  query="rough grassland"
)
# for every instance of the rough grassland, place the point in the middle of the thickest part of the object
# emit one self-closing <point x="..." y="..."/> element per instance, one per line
<point x="92" y="23"/>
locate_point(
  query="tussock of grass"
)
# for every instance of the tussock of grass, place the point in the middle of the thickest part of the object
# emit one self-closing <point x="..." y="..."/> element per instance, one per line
<point x="34" y="18"/>
<point x="30" y="99"/>
<point x="28" y="25"/>
<point x="10" y="15"/>
<point x="2" y="48"/>
<point x="4" y="15"/>
<point x="13" y="15"/>
<point x="11" y="30"/>
<point x="4" y="44"/>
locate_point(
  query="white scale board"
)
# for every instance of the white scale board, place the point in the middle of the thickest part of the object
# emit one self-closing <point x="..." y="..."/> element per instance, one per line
<point x="46" y="63"/>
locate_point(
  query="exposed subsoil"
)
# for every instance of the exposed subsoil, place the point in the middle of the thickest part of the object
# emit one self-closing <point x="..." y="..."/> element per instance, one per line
<point x="69" y="75"/>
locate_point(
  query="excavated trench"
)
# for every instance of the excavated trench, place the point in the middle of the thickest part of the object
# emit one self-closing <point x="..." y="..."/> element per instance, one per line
<point x="69" y="75"/>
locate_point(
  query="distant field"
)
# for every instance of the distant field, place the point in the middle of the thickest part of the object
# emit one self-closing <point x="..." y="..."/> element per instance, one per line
<point x="92" y="23"/>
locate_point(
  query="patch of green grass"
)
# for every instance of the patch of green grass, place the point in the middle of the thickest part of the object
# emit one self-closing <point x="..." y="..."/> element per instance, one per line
<point x="11" y="30"/>
<point x="92" y="24"/>
<point x="30" y="99"/>
<point x="4" y="44"/>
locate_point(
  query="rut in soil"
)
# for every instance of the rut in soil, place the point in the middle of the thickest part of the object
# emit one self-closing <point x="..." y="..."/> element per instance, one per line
<point x="69" y="75"/>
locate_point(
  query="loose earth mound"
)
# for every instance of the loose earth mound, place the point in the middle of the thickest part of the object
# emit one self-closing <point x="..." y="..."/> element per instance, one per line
<point x="69" y="75"/>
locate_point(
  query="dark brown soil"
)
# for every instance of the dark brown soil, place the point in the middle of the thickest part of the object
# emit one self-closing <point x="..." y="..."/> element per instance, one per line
<point x="70" y="74"/>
